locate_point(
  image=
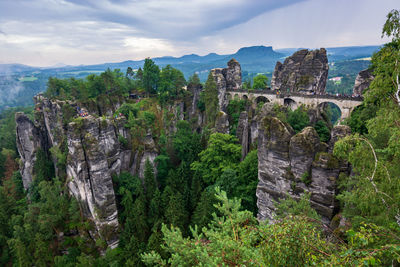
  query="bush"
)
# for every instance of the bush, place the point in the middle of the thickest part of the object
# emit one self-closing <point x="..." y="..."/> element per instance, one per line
<point x="298" y="119"/>
<point x="323" y="131"/>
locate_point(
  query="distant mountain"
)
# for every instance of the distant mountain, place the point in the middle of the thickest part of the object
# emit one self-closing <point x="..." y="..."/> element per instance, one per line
<point x="15" y="68"/>
<point x="252" y="59"/>
<point x="255" y="59"/>
<point x="351" y="52"/>
<point x="340" y="53"/>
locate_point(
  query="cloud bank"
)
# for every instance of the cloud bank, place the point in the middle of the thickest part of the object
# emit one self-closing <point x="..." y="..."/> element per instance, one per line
<point x="46" y="32"/>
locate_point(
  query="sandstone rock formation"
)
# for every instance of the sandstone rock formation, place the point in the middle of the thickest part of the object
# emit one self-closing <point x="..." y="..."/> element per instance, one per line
<point x="233" y="75"/>
<point x="94" y="154"/>
<point x="29" y="140"/>
<point x="363" y="80"/>
<point x="222" y="123"/>
<point x="291" y="164"/>
<point x="305" y="71"/>
<point x="242" y="132"/>
<point x="229" y="78"/>
<point x="93" y="150"/>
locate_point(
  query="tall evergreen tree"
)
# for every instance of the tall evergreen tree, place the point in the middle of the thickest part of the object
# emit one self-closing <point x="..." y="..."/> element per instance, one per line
<point x="151" y="76"/>
<point x="211" y="99"/>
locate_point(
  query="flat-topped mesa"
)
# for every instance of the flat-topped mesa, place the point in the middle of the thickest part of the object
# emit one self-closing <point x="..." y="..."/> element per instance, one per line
<point x="305" y="71"/>
<point x="229" y="78"/>
<point x="362" y="82"/>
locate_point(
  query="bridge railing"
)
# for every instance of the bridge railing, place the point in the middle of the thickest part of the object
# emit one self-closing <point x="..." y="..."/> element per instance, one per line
<point x="289" y="94"/>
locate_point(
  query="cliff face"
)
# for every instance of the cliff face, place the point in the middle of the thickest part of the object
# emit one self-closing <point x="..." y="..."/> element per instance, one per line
<point x="362" y="82"/>
<point x="29" y="140"/>
<point x="291" y="164"/>
<point x="93" y="153"/>
<point x="305" y="71"/>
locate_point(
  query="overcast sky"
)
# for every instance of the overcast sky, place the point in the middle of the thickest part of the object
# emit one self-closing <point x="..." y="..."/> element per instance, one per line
<point x="49" y="32"/>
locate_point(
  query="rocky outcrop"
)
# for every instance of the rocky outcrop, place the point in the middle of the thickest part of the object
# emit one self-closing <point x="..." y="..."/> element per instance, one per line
<point x="233" y="75"/>
<point x="292" y="164"/>
<point x="220" y="81"/>
<point x="273" y="164"/>
<point x="229" y="78"/>
<point x="93" y="151"/>
<point x="222" y="123"/>
<point x="305" y="71"/>
<point x="29" y="140"/>
<point x="362" y="82"/>
<point x="338" y="132"/>
<point x="96" y="147"/>
<point x="242" y="132"/>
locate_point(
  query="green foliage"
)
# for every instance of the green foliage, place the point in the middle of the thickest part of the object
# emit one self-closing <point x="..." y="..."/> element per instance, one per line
<point x="194" y="80"/>
<point x="247" y="84"/>
<point x="211" y="100"/>
<point x="151" y="76"/>
<point x="298" y="119"/>
<point x="127" y="108"/>
<point x="108" y="82"/>
<point x="323" y="131"/>
<point x="372" y="194"/>
<point x="260" y="82"/>
<point x="247" y="181"/>
<point x="222" y="152"/>
<point x="186" y="144"/>
<point x="235" y="238"/>
<point x="306" y="178"/>
<point x="392" y="25"/>
<point x="171" y="84"/>
<point x="296" y="207"/>
<point x="234" y="108"/>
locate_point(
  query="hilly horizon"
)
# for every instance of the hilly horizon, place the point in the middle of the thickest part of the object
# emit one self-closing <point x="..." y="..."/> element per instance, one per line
<point x="19" y="83"/>
<point x="249" y="55"/>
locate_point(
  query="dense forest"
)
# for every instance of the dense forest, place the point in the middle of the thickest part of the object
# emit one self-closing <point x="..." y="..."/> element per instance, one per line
<point x="199" y="206"/>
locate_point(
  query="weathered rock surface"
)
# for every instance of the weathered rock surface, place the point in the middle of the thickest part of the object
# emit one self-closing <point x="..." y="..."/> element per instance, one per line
<point x="29" y="140"/>
<point x="339" y="131"/>
<point x="291" y="164"/>
<point x="97" y="147"/>
<point x="242" y="132"/>
<point x="92" y="148"/>
<point x="229" y="78"/>
<point x="222" y="123"/>
<point x="273" y="164"/>
<point x="362" y="82"/>
<point x="233" y="75"/>
<point x="305" y="71"/>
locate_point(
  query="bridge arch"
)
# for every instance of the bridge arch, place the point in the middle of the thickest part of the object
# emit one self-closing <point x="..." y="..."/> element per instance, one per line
<point x="290" y="103"/>
<point x="261" y="99"/>
<point x="331" y="109"/>
<point x="245" y="97"/>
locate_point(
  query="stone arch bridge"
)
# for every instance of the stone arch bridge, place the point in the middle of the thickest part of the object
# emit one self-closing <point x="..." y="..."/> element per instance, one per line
<point x="346" y="104"/>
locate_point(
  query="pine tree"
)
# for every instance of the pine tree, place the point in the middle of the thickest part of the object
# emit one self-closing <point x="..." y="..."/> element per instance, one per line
<point x="211" y="99"/>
